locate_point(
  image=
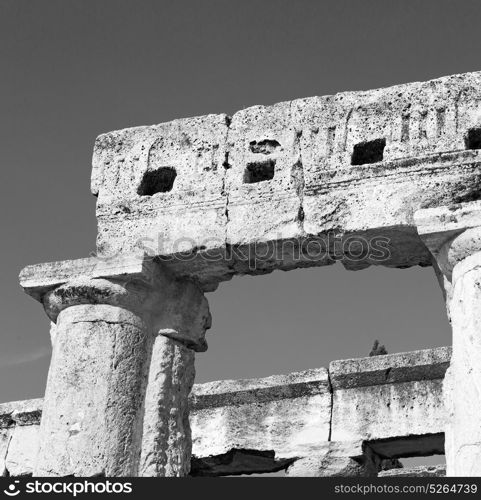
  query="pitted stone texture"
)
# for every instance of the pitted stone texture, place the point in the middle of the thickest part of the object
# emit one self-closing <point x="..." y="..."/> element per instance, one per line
<point x="163" y="223"/>
<point x="166" y="436"/>
<point x="263" y="142"/>
<point x="178" y="309"/>
<point x="183" y="314"/>
<point x="5" y="438"/>
<point x="451" y="233"/>
<point x="396" y="396"/>
<point x="337" y="459"/>
<point x="284" y="413"/>
<point x="357" y="164"/>
<point x="94" y="395"/>
<point x="426" y="364"/>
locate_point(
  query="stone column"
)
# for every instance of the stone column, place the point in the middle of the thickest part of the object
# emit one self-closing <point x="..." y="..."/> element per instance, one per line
<point x="116" y="401"/>
<point x="179" y="329"/>
<point x="453" y="235"/>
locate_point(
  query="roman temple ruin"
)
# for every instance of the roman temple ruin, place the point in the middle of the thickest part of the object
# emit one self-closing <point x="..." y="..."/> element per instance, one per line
<point x="387" y="177"/>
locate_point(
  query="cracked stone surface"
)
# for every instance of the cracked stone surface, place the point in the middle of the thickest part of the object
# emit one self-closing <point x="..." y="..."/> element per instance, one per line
<point x="285" y="413"/>
<point x="354" y="164"/>
<point x="387" y="177"/>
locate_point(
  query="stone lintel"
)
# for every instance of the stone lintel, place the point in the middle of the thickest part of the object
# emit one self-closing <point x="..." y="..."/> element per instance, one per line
<point x="420" y="471"/>
<point x="248" y="391"/>
<point x="26" y="412"/>
<point x="355" y="164"/>
<point x="401" y="367"/>
<point x="38" y="279"/>
<point x="283" y="414"/>
<point x="436" y="226"/>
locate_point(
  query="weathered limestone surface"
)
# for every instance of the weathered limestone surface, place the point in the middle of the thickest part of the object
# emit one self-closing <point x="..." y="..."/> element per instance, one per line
<point x="19" y="434"/>
<point x="116" y="402"/>
<point x="421" y="471"/>
<point x="393" y="400"/>
<point x="195" y="209"/>
<point x="463" y="383"/>
<point x="351" y="164"/>
<point x="187" y="204"/>
<point x="94" y="395"/>
<point x="4" y="444"/>
<point x="20" y="413"/>
<point x="453" y="235"/>
<point x="268" y="210"/>
<point x="337" y="459"/>
<point x="38" y="279"/>
<point x="285" y="414"/>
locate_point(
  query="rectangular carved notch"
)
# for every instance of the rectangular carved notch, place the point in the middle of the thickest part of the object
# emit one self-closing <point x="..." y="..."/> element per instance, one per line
<point x="259" y="171"/>
<point x="368" y="152"/>
<point x="473" y="138"/>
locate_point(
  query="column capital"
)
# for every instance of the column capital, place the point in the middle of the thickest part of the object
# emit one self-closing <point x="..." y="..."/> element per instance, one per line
<point x="131" y="295"/>
<point x="452" y="234"/>
<point x="175" y="308"/>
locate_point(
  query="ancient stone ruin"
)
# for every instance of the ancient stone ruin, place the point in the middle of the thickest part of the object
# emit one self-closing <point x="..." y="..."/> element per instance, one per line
<point x="386" y="177"/>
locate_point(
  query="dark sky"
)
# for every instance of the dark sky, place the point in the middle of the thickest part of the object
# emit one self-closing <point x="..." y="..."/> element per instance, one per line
<point x="73" y="69"/>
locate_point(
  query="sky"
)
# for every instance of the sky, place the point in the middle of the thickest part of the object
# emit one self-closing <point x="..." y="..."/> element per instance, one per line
<point x="72" y="70"/>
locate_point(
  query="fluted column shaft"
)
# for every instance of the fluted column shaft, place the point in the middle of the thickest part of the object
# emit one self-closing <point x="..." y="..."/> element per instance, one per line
<point x="116" y="401"/>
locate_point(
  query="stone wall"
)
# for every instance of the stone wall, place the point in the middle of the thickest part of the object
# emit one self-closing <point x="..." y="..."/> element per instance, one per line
<point x="352" y="419"/>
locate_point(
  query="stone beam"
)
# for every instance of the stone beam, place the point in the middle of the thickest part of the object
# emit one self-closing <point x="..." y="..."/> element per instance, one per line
<point x="393" y="402"/>
<point x="284" y="421"/>
<point x="292" y="184"/>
